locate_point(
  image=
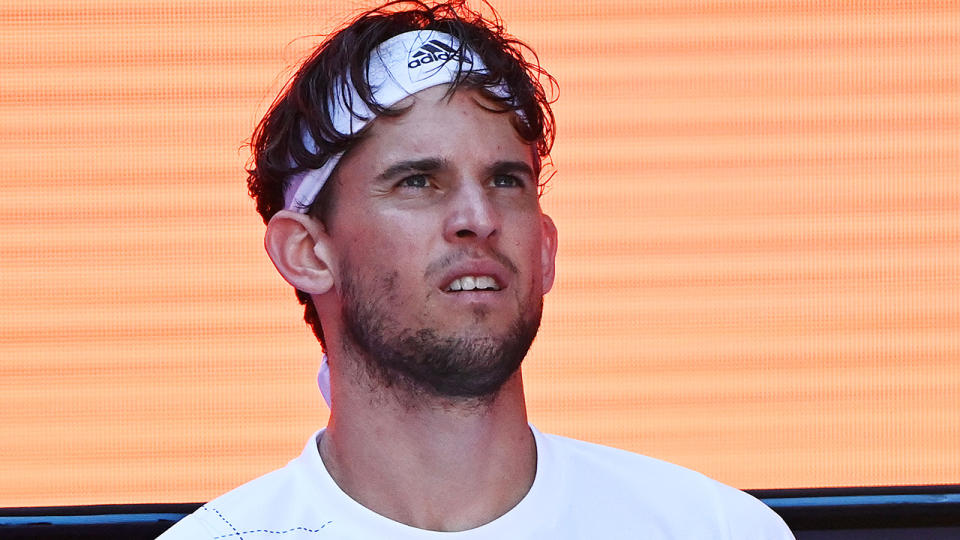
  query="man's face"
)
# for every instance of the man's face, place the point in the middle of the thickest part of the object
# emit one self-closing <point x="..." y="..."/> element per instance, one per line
<point x="442" y="251"/>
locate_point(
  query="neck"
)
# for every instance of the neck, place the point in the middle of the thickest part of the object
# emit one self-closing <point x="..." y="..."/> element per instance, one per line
<point x="442" y="466"/>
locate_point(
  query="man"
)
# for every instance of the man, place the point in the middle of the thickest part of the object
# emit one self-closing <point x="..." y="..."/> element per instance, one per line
<point x="398" y="176"/>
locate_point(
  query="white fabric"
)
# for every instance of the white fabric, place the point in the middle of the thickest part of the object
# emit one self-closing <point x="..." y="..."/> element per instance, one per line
<point x="581" y="491"/>
<point x="323" y="380"/>
<point x="399" y="67"/>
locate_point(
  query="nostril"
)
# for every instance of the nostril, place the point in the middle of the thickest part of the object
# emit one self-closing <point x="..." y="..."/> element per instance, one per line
<point x="465" y="233"/>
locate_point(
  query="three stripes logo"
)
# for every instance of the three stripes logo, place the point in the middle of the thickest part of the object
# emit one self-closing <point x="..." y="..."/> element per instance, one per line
<point x="435" y="51"/>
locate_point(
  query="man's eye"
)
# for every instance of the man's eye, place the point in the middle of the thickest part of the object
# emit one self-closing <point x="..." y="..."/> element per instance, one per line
<point x="415" y="181"/>
<point x="507" y="180"/>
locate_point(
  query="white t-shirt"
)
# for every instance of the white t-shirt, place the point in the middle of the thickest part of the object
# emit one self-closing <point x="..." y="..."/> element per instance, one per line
<point x="580" y="491"/>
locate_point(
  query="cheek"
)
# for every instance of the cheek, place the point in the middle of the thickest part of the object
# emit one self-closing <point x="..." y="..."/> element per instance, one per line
<point x="383" y="271"/>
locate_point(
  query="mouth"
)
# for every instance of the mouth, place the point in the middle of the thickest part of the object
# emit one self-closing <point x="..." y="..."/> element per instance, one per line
<point x="473" y="283"/>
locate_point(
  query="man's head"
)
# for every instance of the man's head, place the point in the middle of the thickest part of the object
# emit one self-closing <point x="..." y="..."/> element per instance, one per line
<point x="433" y="190"/>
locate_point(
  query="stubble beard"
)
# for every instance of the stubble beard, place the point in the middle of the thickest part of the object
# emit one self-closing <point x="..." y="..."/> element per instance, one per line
<point x="423" y="364"/>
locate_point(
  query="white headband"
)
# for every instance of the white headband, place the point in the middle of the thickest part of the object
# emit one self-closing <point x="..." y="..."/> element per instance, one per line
<point x="323" y="379"/>
<point x="399" y="67"/>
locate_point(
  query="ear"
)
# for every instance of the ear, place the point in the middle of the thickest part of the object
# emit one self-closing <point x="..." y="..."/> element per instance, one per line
<point x="548" y="254"/>
<point x="299" y="247"/>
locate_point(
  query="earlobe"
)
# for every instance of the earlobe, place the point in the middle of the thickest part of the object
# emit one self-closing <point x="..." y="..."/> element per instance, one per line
<point x="299" y="248"/>
<point x="548" y="256"/>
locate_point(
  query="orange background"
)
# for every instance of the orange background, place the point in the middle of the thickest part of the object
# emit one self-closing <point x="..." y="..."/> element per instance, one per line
<point x="759" y="266"/>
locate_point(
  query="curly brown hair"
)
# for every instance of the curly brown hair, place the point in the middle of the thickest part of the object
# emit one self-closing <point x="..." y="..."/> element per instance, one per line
<point x="277" y="144"/>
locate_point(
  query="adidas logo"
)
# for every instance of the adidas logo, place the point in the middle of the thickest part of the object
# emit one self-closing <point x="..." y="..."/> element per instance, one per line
<point x="434" y="51"/>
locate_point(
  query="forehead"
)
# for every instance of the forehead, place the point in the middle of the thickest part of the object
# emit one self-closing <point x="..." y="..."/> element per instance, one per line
<point x="463" y="127"/>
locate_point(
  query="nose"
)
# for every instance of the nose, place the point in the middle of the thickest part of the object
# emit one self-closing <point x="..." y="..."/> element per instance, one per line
<point x="472" y="215"/>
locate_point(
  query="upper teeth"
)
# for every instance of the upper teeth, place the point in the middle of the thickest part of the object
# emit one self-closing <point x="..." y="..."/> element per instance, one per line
<point x="469" y="283"/>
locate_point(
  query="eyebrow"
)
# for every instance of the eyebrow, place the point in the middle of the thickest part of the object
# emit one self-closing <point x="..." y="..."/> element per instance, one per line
<point x="505" y="167"/>
<point x="433" y="164"/>
<point x="412" y="165"/>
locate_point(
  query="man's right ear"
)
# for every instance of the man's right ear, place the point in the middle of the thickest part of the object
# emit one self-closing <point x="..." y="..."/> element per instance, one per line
<point x="298" y="245"/>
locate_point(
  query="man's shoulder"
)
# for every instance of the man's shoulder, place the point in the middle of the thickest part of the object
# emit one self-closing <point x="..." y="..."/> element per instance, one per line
<point x="622" y="466"/>
<point x="653" y="490"/>
<point x="267" y="504"/>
